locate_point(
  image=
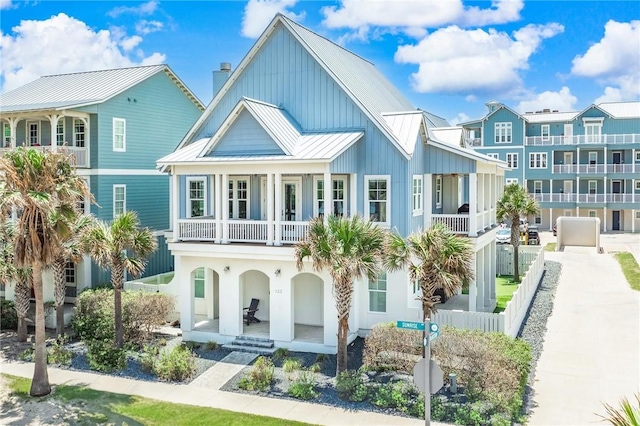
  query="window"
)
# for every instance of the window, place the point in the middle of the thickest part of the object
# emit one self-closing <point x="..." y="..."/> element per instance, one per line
<point x="568" y="213"/>
<point x="537" y="187"/>
<point x="198" y="283"/>
<point x="119" y="199"/>
<point x="417" y="195"/>
<point x="509" y="181"/>
<point x="593" y="185"/>
<point x="438" y="191"/>
<point x="538" y="160"/>
<point x="119" y="134"/>
<point x="319" y="204"/>
<point x="538" y="220"/>
<point x="545" y="131"/>
<point x="196" y="205"/>
<point x="494" y="155"/>
<point x="512" y="160"/>
<point x="503" y="132"/>
<point x="638" y="185"/>
<point x="78" y="133"/>
<point x="592" y="213"/>
<point x="239" y="198"/>
<point x="33" y="136"/>
<point x="70" y="279"/>
<point x="592" y="131"/>
<point x="638" y="215"/>
<point x="593" y="158"/>
<point x="378" y="294"/>
<point x="377" y="198"/>
<point x="60" y="132"/>
<point x="6" y="135"/>
<point x="637" y="153"/>
<point x="338" y="196"/>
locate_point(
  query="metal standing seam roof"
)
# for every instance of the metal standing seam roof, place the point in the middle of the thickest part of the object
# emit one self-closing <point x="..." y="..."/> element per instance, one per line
<point x="83" y="88"/>
<point x="549" y="117"/>
<point x="450" y="135"/>
<point x="406" y="127"/>
<point x="622" y="109"/>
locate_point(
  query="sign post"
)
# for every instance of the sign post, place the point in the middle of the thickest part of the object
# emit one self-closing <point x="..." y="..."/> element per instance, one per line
<point x="427" y="370"/>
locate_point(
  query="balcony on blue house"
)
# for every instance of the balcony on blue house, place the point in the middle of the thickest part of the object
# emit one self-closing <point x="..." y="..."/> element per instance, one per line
<point x="49" y="132"/>
<point x="590" y="139"/>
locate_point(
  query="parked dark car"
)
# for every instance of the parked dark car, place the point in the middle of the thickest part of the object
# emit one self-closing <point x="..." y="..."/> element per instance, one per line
<point x="533" y="237"/>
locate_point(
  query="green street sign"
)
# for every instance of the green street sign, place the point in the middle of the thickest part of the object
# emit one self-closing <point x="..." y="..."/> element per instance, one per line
<point x="410" y="325"/>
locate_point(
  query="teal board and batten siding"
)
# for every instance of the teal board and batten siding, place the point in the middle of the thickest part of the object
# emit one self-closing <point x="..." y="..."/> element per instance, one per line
<point x="157" y="114"/>
<point x="503" y="116"/>
<point x="246" y="137"/>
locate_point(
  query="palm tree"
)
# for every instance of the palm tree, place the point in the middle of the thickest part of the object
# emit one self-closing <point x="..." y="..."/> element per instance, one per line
<point x="20" y="276"/>
<point x="118" y="247"/>
<point x="437" y="258"/>
<point x="514" y="204"/>
<point x="70" y="253"/>
<point x="36" y="184"/>
<point x="348" y="249"/>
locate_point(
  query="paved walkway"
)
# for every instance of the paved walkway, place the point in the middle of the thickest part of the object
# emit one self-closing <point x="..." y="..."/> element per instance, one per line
<point x="591" y="351"/>
<point x="195" y="395"/>
<point x="224" y="370"/>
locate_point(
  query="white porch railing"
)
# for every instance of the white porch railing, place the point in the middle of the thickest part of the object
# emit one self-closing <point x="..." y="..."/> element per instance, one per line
<point x="620" y="168"/>
<point x="623" y="198"/>
<point x="507" y="322"/>
<point x="248" y="231"/>
<point x="555" y="198"/>
<point x="292" y="232"/>
<point x="565" y="168"/>
<point x="457" y="223"/>
<point x="583" y="139"/>
<point x="81" y="154"/>
<point x="200" y="229"/>
<point x="591" y="198"/>
<point x="242" y="231"/>
<point x="591" y="168"/>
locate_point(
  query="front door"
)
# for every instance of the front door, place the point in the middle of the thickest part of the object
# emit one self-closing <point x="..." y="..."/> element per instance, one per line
<point x="568" y="190"/>
<point x="568" y="134"/>
<point x="616" y="190"/>
<point x="291" y="200"/>
<point x="615" y="225"/>
<point x="617" y="161"/>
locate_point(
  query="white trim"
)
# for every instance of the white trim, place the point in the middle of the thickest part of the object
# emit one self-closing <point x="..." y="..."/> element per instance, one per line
<point x="60" y="123"/>
<point x="27" y="135"/>
<point x="76" y="134"/>
<point x="367" y="207"/>
<point x="297" y="182"/>
<point x="188" y="199"/>
<point x="345" y="190"/>
<point x="124" y="134"/>
<point x="438" y="191"/>
<point x="124" y="202"/>
<point x="417" y="198"/>
<point x="595" y="187"/>
<point x="537" y="183"/>
<point x="119" y="172"/>
<point x="637" y="185"/>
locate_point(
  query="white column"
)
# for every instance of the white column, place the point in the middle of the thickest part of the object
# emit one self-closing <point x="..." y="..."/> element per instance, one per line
<point x="224" y="197"/>
<point x="473" y="286"/>
<point x="633" y="220"/>
<point x="550" y="191"/>
<point x="328" y="195"/>
<point x="185" y="287"/>
<point x="578" y="160"/>
<point x="270" y="212"/>
<point x="551" y="219"/>
<point x="87" y="140"/>
<point x="480" y="281"/>
<point x="577" y="211"/>
<point x="604" y="161"/>
<point x="578" y="189"/>
<point x="217" y="205"/>
<point x="605" y="189"/>
<point x="604" y="217"/>
<point x="428" y="199"/>
<point x="633" y="161"/>
<point x="278" y="209"/>
<point x="493" y="270"/>
<point x="473" y="205"/>
<point x="353" y="194"/>
<point x="53" y="119"/>
<point x="175" y="205"/>
<point x="553" y="161"/>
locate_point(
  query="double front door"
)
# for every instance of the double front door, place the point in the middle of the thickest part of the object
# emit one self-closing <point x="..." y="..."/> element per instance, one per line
<point x="290" y="202"/>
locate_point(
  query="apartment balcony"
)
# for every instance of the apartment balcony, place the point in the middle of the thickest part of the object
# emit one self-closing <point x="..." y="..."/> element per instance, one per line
<point x="629" y="138"/>
<point x="593" y="168"/>
<point x="461" y="224"/>
<point x="473" y="141"/>
<point x="81" y="155"/>
<point x="623" y="198"/>
<point x="586" y="198"/>
<point x="241" y="231"/>
<point x="555" y="198"/>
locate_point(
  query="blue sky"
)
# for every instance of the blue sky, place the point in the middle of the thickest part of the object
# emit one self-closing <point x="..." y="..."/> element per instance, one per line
<point x="447" y="56"/>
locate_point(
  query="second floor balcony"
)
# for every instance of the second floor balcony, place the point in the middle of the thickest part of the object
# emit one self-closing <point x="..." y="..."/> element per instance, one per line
<point x="79" y="154"/>
<point x="628" y="138"/>
<point x="593" y="198"/>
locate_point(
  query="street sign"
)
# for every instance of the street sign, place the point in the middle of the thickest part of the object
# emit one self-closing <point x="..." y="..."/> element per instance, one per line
<point x="434" y="330"/>
<point x="410" y="325"/>
<point x="436" y="376"/>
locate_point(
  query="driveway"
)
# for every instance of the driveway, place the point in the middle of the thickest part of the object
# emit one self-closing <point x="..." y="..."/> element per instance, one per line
<point x="591" y="352"/>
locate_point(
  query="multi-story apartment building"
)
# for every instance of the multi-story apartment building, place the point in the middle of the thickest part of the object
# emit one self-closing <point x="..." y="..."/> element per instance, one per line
<point x="116" y="123"/>
<point x="578" y="163"/>
<point x="304" y="128"/>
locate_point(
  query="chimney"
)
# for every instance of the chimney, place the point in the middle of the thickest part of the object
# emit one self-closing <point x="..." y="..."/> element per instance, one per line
<point x="220" y="77"/>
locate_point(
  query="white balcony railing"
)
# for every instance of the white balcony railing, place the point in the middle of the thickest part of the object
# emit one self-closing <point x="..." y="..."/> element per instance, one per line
<point x="200" y="229"/>
<point x="555" y="198"/>
<point x="248" y="231"/>
<point x="81" y="154"/>
<point x="242" y="231"/>
<point x="473" y="141"/>
<point x="623" y="198"/>
<point x="591" y="168"/>
<point x="292" y="232"/>
<point x="565" y="168"/>
<point x="583" y="139"/>
<point x="458" y="223"/>
<point x="591" y="198"/>
<point x="620" y="168"/>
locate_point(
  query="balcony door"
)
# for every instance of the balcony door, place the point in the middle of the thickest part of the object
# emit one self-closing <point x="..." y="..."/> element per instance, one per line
<point x="568" y="162"/>
<point x="617" y="190"/>
<point x="568" y="134"/>
<point x="568" y="190"/>
<point x="291" y="202"/>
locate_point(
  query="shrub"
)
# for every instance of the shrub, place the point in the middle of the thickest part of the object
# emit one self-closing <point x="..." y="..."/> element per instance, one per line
<point x="280" y="354"/>
<point x="8" y="316"/>
<point x="58" y="353"/>
<point x="291" y="364"/>
<point x="315" y="367"/>
<point x="320" y="358"/>
<point x="149" y="310"/>
<point x="148" y="357"/>
<point x="260" y="376"/>
<point x="105" y="357"/>
<point x="176" y="365"/>
<point x="26" y="355"/>
<point x="303" y="386"/>
<point x="350" y="386"/>
<point x="211" y="345"/>
<point x="193" y="345"/>
<point x="390" y="348"/>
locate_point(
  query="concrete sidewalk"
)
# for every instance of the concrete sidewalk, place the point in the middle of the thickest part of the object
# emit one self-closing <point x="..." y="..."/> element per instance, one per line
<point x="194" y="395"/>
<point x="591" y="350"/>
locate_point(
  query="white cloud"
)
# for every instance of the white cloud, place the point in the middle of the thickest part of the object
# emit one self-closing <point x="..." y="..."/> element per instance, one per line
<point x="562" y="100"/>
<point x="460" y="118"/>
<point x="611" y="94"/>
<point x="147" y="8"/>
<point x="614" y="60"/>
<point x="6" y="4"/>
<point x="145" y="27"/>
<point x="62" y="44"/>
<point x="258" y="14"/>
<point x="454" y="60"/>
<point x="128" y="43"/>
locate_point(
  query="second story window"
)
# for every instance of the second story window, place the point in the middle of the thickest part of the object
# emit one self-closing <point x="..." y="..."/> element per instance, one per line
<point x="438" y="191"/>
<point x="503" y="132"/>
<point x="545" y="132"/>
<point x="338" y="196"/>
<point x="239" y="198"/>
<point x="60" y="132"/>
<point x="494" y="155"/>
<point x="119" y="135"/>
<point x="537" y="187"/>
<point x="196" y="206"/>
<point x="538" y="160"/>
<point x="378" y="294"/>
<point x="78" y="133"/>
<point x="377" y="198"/>
<point x="119" y="200"/>
<point x="417" y="195"/>
<point x="512" y="160"/>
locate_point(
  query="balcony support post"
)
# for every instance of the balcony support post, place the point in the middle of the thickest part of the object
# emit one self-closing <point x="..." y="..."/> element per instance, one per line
<point x="553" y="161"/>
<point x="270" y="209"/>
<point x="353" y="194"/>
<point x="473" y="204"/>
<point x="604" y="217"/>
<point x="551" y="190"/>
<point x="53" y="119"/>
<point x="578" y="160"/>
<point x="550" y="218"/>
<point x="278" y="209"/>
<point x="175" y="205"/>
<point x="633" y="161"/>
<point x="605" y="161"/>
<point x="578" y="189"/>
<point x="428" y="199"/>
<point x="605" y="190"/>
<point x="217" y="203"/>
<point x="633" y="220"/>
<point x="13" y="125"/>
<point x="328" y="195"/>
<point x="224" y="197"/>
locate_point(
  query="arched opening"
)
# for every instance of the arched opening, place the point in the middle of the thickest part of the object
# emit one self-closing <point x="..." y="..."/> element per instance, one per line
<point x="255" y="285"/>
<point x="308" y="308"/>
<point x="206" y="299"/>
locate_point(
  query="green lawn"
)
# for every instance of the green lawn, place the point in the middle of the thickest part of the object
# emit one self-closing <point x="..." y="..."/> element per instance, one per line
<point x="630" y="269"/>
<point x="505" y="287"/>
<point x="550" y="247"/>
<point x="102" y="407"/>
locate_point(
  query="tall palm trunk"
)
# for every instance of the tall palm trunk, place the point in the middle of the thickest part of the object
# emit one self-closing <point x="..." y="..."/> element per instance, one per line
<point x="343" y="295"/>
<point x="59" y="279"/>
<point x="22" y="303"/>
<point x="40" y="383"/>
<point x="117" y="278"/>
<point x="515" y="242"/>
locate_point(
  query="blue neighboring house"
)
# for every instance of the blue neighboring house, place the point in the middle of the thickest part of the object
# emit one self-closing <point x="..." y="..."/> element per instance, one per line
<point x="305" y="128"/>
<point x="116" y="123"/>
<point x="575" y="163"/>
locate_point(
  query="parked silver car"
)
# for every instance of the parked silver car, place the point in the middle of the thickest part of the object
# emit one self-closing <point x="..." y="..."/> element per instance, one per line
<point x="503" y="236"/>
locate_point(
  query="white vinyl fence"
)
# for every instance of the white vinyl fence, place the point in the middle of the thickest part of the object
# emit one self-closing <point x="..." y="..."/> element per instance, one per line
<point x="509" y="321"/>
<point x="504" y="258"/>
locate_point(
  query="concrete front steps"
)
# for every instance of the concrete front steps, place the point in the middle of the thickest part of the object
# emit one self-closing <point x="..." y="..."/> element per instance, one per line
<point x="256" y="345"/>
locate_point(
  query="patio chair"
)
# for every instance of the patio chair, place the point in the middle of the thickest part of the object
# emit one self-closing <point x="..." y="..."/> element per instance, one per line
<point x="249" y="316"/>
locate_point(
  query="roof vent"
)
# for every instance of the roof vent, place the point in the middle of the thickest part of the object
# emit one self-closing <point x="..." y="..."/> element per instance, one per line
<point x="225" y="66"/>
<point x="546" y="110"/>
<point x="555" y="110"/>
